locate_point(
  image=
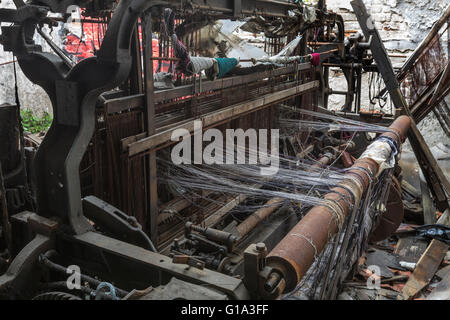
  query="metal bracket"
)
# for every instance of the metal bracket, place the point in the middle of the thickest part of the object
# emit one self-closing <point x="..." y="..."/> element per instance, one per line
<point x="257" y="274"/>
<point x="115" y="222"/>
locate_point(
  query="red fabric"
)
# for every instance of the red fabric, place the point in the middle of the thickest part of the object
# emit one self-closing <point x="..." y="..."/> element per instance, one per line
<point x="93" y="35"/>
<point x="80" y="49"/>
<point x="315" y="59"/>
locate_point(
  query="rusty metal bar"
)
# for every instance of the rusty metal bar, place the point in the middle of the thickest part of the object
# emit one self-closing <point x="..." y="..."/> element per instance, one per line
<point x="8" y="62"/>
<point x="136" y="81"/>
<point x="295" y="254"/>
<point x="272" y="205"/>
<point x="443" y="81"/>
<point x="434" y="175"/>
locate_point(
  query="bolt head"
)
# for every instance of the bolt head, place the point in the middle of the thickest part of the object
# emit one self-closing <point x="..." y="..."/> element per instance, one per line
<point x="260" y="247"/>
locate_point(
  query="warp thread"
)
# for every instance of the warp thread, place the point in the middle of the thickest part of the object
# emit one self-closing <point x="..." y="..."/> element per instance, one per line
<point x="216" y="67"/>
<point x="299" y="235"/>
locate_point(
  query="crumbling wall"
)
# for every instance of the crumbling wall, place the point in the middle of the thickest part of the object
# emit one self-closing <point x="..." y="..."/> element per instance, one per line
<point x="30" y="95"/>
<point x="402" y="23"/>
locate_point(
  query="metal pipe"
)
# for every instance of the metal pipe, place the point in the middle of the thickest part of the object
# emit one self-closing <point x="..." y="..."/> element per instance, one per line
<point x="273" y="204"/>
<point x="8" y="62"/>
<point x="253" y="220"/>
<point x="343" y="65"/>
<point x="212" y="234"/>
<point x="64" y="57"/>
<point x="295" y="254"/>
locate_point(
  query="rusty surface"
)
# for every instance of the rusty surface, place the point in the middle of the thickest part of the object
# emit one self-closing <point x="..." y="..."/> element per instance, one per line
<point x="293" y="256"/>
<point x="253" y="220"/>
<point x="272" y="205"/>
<point x="347" y="159"/>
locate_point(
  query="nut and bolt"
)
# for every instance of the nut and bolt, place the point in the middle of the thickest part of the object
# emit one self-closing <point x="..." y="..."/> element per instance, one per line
<point x="260" y="247"/>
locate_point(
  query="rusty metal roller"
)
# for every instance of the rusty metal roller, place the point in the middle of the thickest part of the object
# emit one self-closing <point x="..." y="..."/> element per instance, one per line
<point x="294" y="255"/>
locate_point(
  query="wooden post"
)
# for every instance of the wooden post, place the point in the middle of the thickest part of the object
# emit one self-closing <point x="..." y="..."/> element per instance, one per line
<point x="136" y="85"/>
<point x="152" y="192"/>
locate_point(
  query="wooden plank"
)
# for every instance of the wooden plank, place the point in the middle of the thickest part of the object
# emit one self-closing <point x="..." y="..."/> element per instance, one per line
<point x="126" y="141"/>
<point x="124" y="103"/>
<point x="216" y="117"/>
<point x="429" y="212"/>
<point x="443" y="82"/>
<point x="427" y="265"/>
<point x="410" y="189"/>
<point x="136" y="81"/>
<point x="423" y="99"/>
<point x="443" y="272"/>
<point x="152" y="182"/>
<point x="214" y="218"/>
